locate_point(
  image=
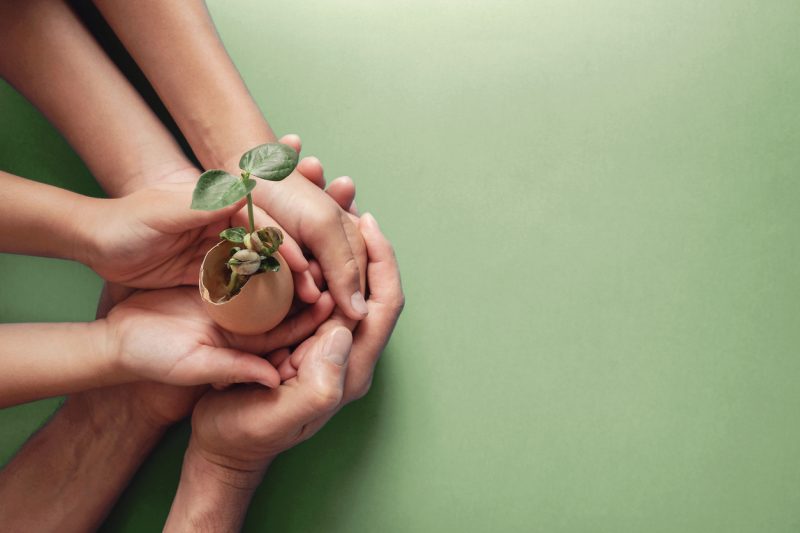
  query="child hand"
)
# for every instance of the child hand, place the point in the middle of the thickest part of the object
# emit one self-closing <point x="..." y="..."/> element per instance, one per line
<point x="166" y="336"/>
<point x="151" y="238"/>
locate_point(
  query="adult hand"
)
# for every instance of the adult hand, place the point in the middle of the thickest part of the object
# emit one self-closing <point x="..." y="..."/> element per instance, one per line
<point x="386" y="302"/>
<point x="318" y="223"/>
<point x="244" y="428"/>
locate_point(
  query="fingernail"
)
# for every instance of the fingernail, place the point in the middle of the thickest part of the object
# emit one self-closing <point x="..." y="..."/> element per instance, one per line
<point x="353" y="208"/>
<point x="358" y="303"/>
<point x="338" y="346"/>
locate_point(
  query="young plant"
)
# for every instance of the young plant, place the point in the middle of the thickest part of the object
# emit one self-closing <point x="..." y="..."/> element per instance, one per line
<point x="217" y="189"/>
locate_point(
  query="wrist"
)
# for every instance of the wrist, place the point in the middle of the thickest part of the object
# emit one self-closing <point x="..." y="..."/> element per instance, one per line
<point x="86" y="216"/>
<point x="173" y="172"/>
<point x="105" y="353"/>
<point x="211" y="496"/>
<point x="112" y="410"/>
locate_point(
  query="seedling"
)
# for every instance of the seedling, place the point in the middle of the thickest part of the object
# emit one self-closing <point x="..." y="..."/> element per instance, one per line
<point x="217" y="189"/>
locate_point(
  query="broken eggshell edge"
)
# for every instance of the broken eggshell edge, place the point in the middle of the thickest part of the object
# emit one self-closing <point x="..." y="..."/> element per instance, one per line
<point x="261" y="304"/>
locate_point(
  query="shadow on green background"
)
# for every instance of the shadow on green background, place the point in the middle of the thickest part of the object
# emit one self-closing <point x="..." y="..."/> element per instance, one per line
<point x="595" y="210"/>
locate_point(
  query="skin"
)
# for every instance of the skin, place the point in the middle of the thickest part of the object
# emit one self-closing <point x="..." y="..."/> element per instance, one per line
<point x="105" y="434"/>
<point x="238" y="432"/>
<point x="148" y="239"/>
<point x="164" y="336"/>
<point x="50" y="58"/>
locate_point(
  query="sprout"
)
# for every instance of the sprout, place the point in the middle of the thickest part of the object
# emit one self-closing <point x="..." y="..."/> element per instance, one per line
<point x="217" y="189"/>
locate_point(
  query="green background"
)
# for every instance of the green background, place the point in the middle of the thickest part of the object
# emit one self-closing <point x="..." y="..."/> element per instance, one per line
<point x="594" y="205"/>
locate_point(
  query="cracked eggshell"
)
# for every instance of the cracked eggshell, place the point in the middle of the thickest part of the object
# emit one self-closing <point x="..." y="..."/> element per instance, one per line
<point x="260" y="305"/>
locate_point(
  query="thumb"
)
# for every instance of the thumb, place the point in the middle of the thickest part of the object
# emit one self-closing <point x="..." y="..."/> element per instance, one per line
<point x="185" y="218"/>
<point x="320" y="378"/>
<point x="170" y="209"/>
<point x="208" y="364"/>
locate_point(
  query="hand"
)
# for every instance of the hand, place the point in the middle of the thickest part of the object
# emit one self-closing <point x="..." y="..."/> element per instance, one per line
<point x="317" y="222"/>
<point x="151" y="238"/>
<point x="386" y="298"/>
<point x="242" y="429"/>
<point x="386" y="302"/>
<point x="167" y="336"/>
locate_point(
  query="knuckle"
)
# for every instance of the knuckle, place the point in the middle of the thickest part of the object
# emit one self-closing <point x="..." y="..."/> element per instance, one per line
<point x="326" y="398"/>
<point x="351" y="268"/>
<point x="362" y="389"/>
<point x="323" y="216"/>
<point x="399" y="303"/>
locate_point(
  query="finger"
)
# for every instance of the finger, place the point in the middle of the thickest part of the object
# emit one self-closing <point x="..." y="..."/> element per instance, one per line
<point x="172" y="205"/>
<point x="337" y="319"/>
<point x="316" y="391"/>
<point x="278" y="356"/>
<point x="293" y="140"/>
<point x="305" y="287"/>
<point x="331" y="240"/>
<point x="286" y="370"/>
<point x="353" y="209"/>
<point x="290" y="250"/>
<point x="208" y="364"/>
<point x="383" y="274"/>
<point x="311" y="168"/>
<point x="289" y="332"/>
<point x="385" y="305"/>
<point x="316" y="273"/>
<point x="112" y="294"/>
<point x="343" y="191"/>
<point x="320" y="380"/>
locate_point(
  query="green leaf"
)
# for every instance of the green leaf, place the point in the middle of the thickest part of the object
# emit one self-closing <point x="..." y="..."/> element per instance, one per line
<point x="272" y="161"/>
<point x="217" y="189"/>
<point x="233" y="234"/>
<point x="269" y="264"/>
<point x="271" y="238"/>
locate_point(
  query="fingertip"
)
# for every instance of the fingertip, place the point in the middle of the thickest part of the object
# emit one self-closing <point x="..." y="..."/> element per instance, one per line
<point x="359" y="305"/>
<point x="293" y="140"/>
<point x="337" y="345"/>
<point x="311" y="168"/>
<point x="293" y="255"/>
<point x="286" y="370"/>
<point x="369" y="221"/>
<point x="305" y="287"/>
<point x="271" y="378"/>
<point x="324" y="305"/>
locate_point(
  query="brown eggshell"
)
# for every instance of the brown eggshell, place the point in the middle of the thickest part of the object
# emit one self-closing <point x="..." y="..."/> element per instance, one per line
<point x="258" y="307"/>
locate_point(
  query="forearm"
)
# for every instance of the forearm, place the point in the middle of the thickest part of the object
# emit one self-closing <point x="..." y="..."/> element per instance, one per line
<point x="69" y="474"/>
<point x="47" y="55"/>
<point x="45" y="360"/>
<point x="211" y="497"/>
<point x="177" y="47"/>
<point x="39" y="219"/>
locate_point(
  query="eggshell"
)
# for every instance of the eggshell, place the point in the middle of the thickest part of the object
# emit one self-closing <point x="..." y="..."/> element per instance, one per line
<point x="259" y="306"/>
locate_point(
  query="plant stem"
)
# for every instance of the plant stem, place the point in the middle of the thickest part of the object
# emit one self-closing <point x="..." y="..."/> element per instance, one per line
<point x="245" y="176"/>
<point x="250" y="212"/>
<point x="232" y="283"/>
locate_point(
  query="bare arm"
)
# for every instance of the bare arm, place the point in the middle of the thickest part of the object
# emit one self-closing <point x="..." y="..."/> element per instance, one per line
<point x="47" y="55"/>
<point x="39" y="219"/>
<point x="175" y="44"/>
<point x="69" y="474"/>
